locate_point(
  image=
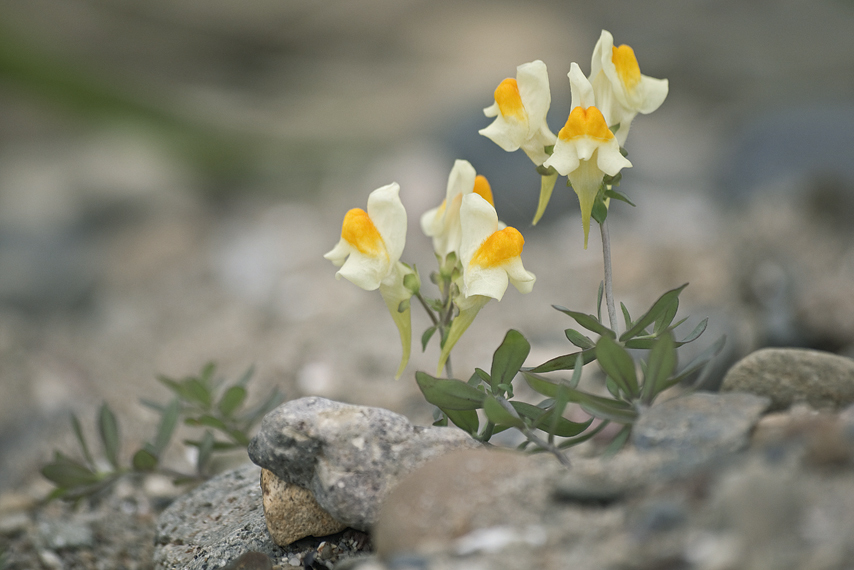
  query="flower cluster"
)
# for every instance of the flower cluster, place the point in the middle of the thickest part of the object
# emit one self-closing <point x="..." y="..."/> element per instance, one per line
<point x="478" y="256"/>
<point x="587" y="150"/>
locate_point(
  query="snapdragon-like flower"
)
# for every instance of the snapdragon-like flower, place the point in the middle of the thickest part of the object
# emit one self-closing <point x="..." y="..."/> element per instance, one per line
<point x="520" y="110"/>
<point x="368" y="254"/>
<point x="621" y="90"/>
<point x="491" y="259"/>
<point x="586" y="149"/>
<point x="443" y="223"/>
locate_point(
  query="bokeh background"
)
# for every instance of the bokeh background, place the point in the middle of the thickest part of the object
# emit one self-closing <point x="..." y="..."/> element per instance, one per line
<point x="171" y="173"/>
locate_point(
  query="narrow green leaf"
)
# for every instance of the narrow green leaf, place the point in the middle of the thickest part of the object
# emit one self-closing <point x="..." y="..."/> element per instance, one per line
<point x="108" y="428"/>
<point x="250" y="417"/>
<point x="449" y="394"/>
<point x="599" y="295"/>
<point x="699" y="362"/>
<point x="217" y="446"/>
<point x="78" y="431"/>
<point x="613" y="388"/>
<point x="240" y="437"/>
<point x="466" y="420"/>
<point x="661" y="364"/>
<point x="589" y="322"/>
<point x="508" y="358"/>
<point x="545" y="419"/>
<point x="582" y="438"/>
<point x="69" y="474"/>
<point x="144" y="460"/>
<point x="618" y="364"/>
<point x="177" y="388"/>
<point x="247" y="376"/>
<point x="565" y="362"/>
<point x="483" y="375"/>
<point x="547" y="186"/>
<point x="600" y="210"/>
<point x="618" y="442"/>
<point x="168" y="421"/>
<point x="578" y="339"/>
<point x="425" y="338"/>
<point x="650" y="316"/>
<point x="500" y="415"/>
<point x="478" y="377"/>
<point x="232" y="399"/>
<point x="205" y="451"/>
<point x="206" y="375"/>
<point x="626" y="316"/>
<point x="159" y="408"/>
<point x="698" y="330"/>
<point x="609" y="412"/>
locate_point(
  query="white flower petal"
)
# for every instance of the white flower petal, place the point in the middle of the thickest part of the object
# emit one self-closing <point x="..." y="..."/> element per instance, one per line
<point x="564" y="159"/>
<point x="533" y="81"/>
<point x="364" y="271"/>
<point x="580" y="88"/>
<point x="522" y="279"/>
<point x="610" y="160"/>
<point x="489" y="282"/>
<point x="389" y="216"/>
<point x="478" y="221"/>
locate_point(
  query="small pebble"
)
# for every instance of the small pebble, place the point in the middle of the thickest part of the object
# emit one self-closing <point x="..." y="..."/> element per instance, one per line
<point x="294" y="561"/>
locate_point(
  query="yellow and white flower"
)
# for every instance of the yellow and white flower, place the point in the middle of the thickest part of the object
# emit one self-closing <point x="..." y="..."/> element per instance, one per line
<point x="491" y="259"/>
<point x="520" y="110"/>
<point x="621" y="90"/>
<point x="443" y="223"/>
<point x="586" y="149"/>
<point x="368" y="254"/>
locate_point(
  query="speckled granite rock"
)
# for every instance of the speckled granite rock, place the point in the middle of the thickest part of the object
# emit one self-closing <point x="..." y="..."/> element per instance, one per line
<point x="348" y="456"/>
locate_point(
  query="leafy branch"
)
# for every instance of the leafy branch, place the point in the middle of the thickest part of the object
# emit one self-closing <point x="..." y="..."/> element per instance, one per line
<point x="201" y="401"/>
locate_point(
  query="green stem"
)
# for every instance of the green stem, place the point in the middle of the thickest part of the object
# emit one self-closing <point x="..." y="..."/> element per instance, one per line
<point x="609" y="278"/>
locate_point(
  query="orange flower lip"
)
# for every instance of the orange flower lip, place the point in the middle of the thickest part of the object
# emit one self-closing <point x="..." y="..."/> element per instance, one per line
<point x="483" y="189"/>
<point x="498" y="248"/>
<point x="359" y="231"/>
<point x="508" y="99"/>
<point x="627" y="66"/>
<point x="586" y="122"/>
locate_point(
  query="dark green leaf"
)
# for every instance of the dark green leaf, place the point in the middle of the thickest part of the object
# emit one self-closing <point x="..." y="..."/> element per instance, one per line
<point x="144" y="460"/>
<point x="599" y="295"/>
<point x="661" y="364"/>
<point x="508" y="358"/>
<point x="449" y="394"/>
<point x="613" y="408"/>
<point x="178" y="388"/>
<point x="599" y="211"/>
<point x="565" y="362"/>
<point x="466" y="420"/>
<point x="205" y="451"/>
<point x="168" y="421"/>
<point x="260" y="409"/>
<point x="618" y="195"/>
<point x="78" y="431"/>
<point x="198" y="392"/>
<point x="662" y="323"/>
<point x="425" y="338"/>
<point x="108" y="428"/>
<point x="479" y="376"/>
<point x="159" y="408"/>
<point x="231" y="400"/>
<point x="618" y="364"/>
<point x="578" y="339"/>
<point x="500" y="415"/>
<point x="544" y="419"/>
<point x="613" y="388"/>
<point x="69" y="474"/>
<point x="207" y="420"/>
<point x="239" y="437"/>
<point x="587" y="321"/>
<point x="649" y="317"/>
<point x="582" y="438"/>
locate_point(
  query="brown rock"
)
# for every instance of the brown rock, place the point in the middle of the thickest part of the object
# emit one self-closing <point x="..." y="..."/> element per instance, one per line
<point x="461" y="492"/>
<point x="789" y="375"/>
<point x="292" y="512"/>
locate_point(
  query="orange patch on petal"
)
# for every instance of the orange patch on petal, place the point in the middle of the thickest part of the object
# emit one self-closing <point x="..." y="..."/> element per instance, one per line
<point x="483" y="189"/>
<point x="360" y="232"/>
<point x="498" y="248"/>
<point x="508" y="99"/>
<point x="627" y="66"/>
<point x="586" y="122"/>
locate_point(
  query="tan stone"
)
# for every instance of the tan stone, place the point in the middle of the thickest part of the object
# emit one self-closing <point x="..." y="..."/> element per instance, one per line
<point x="292" y="512"/>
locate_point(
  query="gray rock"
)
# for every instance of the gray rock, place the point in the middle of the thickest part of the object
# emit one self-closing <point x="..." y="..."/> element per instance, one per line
<point x="699" y="425"/>
<point x="58" y="534"/>
<point x="348" y="456"/>
<point x="215" y="523"/>
<point x="788" y="375"/>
